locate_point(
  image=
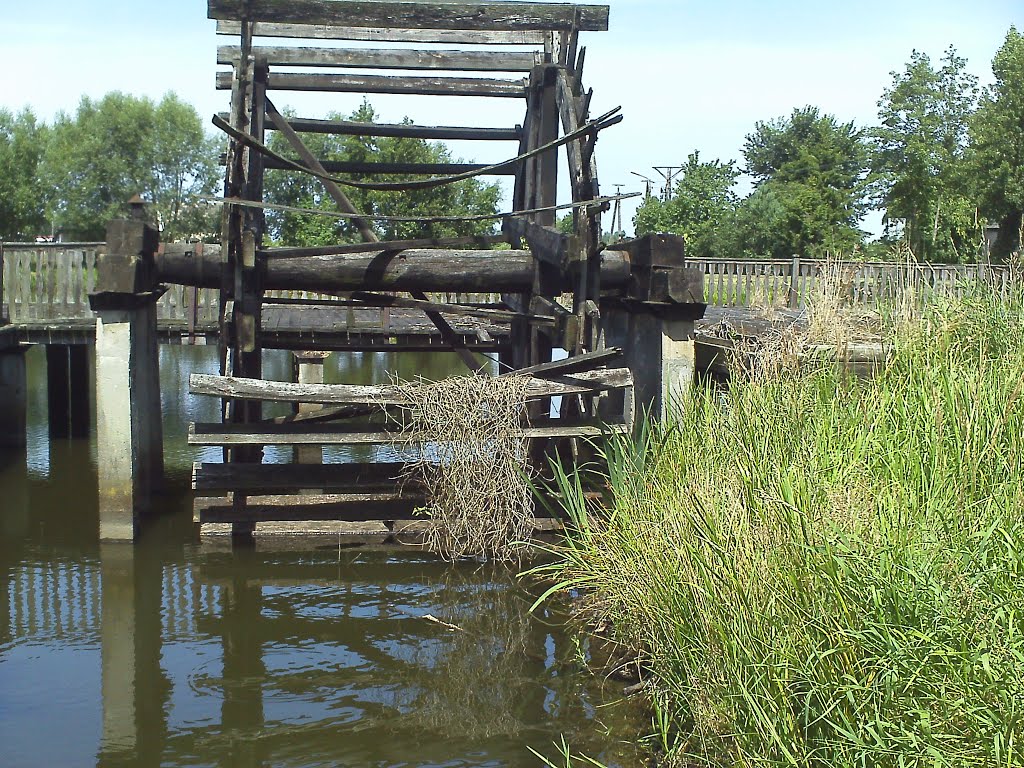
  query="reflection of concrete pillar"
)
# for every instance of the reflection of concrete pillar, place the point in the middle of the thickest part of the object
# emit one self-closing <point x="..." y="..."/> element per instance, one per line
<point x="13" y="399"/>
<point x="135" y="689"/>
<point x="309" y="370"/>
<point x="129" y="434"/>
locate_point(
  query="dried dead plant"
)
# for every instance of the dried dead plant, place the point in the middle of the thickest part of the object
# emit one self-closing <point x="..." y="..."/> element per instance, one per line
<point x="467" y="434"/>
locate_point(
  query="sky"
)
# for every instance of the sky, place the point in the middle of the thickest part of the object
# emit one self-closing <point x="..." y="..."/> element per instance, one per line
<point x="690" y="75"/>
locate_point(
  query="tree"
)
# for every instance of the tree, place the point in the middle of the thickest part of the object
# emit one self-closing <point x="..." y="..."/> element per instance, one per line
<point x="997" y="143"/>
<point x="919" y="171"/>
<point x="463" y="198"/>
<point x="701" y="203"/>
<point x="809" y="173"/>
<point x="122" y="145"/>
<point x="22" y="207"/>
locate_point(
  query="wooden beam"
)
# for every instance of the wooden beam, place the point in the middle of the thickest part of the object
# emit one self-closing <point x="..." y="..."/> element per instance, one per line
<point x="404" y="131"/>
<point x="408" y="86"/>
<point x="569" y="364"/>
<point x="514" y="16"/>
<point x="347" y="506"/>
<point x="241" y="434"/>
<point x="585" y="382"/>
<point x="481" y="241"/>
<point x="400" y="169"/>
<point x="387" y="58"/>
<point x="495" y="315"/>
<point x="545" y="243"/>
<point x="281" y="478"/>
<point x="386" y="34"/>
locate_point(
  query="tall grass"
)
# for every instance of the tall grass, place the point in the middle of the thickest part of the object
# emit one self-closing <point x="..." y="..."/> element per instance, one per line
<point x="824" y="570"/>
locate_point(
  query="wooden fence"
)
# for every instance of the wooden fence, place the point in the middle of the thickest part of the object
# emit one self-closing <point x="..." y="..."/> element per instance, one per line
<point x="791" y="282"/>
<point x="52" y="281"/>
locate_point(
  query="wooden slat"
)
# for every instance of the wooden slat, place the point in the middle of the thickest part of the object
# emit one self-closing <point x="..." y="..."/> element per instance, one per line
<point x="386" y="34"/>
<point x="218" y="434"/>
<point x="387" y="58"/>
<point x="570" y="365"/>
<point x="512" y="16"/>
<point x="409" y="86"/>
<point x="585" y="382"/>
<point x="495" y="315"/>
<point x="401" y="169"/>
<point x="270" y="508"/>
<point x="281" y="478"/>
<point x="404" y="131"/>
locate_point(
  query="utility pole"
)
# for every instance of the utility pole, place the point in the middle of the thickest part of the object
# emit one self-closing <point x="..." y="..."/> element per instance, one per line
<point x="617" y="210"/>
<point x="648" y="183"/>
<point x="668" y="173"/>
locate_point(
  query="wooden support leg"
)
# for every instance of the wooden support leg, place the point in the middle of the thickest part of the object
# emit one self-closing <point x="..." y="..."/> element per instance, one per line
<point x="13" y="399"/>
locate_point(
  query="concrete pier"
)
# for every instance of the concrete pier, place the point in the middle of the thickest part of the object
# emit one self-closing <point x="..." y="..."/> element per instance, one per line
<point x="128" y="420"/>
<point x="309" y="369"/>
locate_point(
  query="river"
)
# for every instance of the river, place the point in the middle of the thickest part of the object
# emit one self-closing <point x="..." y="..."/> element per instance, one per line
<point x="182" y="652"/>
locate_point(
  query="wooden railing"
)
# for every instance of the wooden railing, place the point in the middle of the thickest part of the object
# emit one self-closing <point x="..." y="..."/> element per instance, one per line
<point x="791" y="282"/>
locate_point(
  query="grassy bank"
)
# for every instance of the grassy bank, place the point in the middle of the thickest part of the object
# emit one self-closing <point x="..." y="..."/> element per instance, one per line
<point x="821" y="570"/>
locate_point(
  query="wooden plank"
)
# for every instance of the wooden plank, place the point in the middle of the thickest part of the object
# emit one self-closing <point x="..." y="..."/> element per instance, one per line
<point x="481" y="241"/>
<point x="388" y="58"/>
<point x="569" y="365"/>
<point x="409" y="86"/>
<point x="511" y="16"/>
<point x="217" y="434"/>
<point x="584" y="382"/>
<point x="404" y="131"/>
<point x="348" y="507"/>
<point x="545" y="243"/>
<point x="386" y="34"/>
<point x="281" y="478"/>
<point x="400" y="169"/>
<point x="495" y="315"/>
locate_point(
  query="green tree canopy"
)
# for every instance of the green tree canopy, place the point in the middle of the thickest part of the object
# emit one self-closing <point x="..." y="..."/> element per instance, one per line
<point x="997" y="137"/>
<point x="809" y="175"/>
<point x="919" y="160"/>
<point x="468" y="197"/>
<point x="702" y="203"/>
<point x="22" y="206"/>
<point x="121" y="145"/>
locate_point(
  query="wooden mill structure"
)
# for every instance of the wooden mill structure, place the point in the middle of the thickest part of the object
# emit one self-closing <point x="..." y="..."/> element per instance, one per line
<point x="630" y="305"/>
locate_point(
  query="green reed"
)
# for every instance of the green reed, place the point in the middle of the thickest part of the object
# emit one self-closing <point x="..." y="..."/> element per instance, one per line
<point x="825" y="570"/>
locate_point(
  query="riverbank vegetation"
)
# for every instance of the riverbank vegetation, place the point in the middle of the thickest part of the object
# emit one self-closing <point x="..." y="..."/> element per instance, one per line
<point x="821" y="569"/>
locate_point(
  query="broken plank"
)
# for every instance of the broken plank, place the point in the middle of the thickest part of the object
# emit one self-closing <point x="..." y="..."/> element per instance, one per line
<point x="388" y="58"/>
<point x="547" y="244"/>
<point x="412" y="86"/>
<point x="511" y="16"/>
<point x="386" y="34"/>
<point x="382" y="395"/>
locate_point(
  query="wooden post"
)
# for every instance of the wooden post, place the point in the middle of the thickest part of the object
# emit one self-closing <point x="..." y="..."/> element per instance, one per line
<point x="13" y="399"/>
<point x="129" y="431"/>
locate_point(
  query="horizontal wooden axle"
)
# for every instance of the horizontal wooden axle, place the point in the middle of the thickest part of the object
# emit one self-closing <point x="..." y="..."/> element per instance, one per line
<point x="410" y="86"/>
<point x="370" y="58"/>
<point x="417" y="15"/>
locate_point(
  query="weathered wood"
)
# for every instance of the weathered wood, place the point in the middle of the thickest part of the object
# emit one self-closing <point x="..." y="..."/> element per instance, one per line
<point x="239" y="434"/>
<point x="409" y="86"/>
<point x="495" y="315"/>
<point x="282" y="478"/>
<point x="546" y="243"/>
<point x="569" y="365"/>
<point x="481" y="241"/>
<point x="336" y="193"/>
<point x="401" y="169"/>
<point x="420" y="269"/>
<point x="388" y="58"/>
<point x="513" y="16"/>
<point x="584" y="382"/>
<point x="348" y="506"/>
<point x="387" y="34"/>
<point x="403" y="130"/>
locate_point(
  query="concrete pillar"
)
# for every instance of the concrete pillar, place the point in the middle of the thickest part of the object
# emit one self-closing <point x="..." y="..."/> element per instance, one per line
<point x="129" y="433"/>
<point x="13" y="399"/>
<point x="309" y="369"/>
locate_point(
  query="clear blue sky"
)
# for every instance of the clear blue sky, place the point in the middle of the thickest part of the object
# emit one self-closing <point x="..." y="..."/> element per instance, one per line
<point x="689" y="74"/>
